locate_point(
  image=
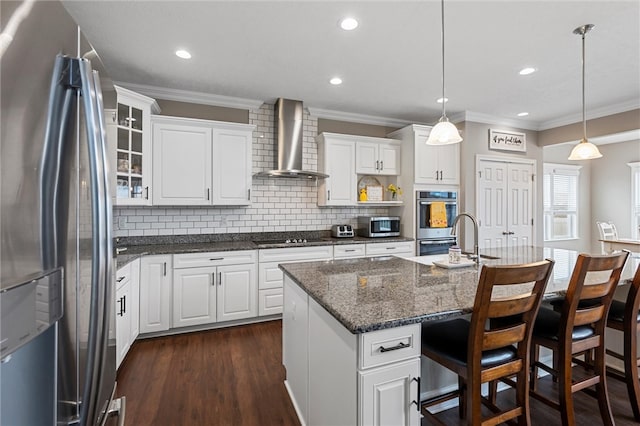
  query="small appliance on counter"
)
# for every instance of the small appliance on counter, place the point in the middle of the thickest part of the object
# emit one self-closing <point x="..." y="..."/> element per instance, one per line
<point x="378" y="226"/>
<point x="342" y="231"/>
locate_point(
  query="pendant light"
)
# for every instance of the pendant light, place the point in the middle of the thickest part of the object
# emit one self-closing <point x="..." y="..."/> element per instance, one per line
<point x="445" y="132"/>
<point x="585" y="150"/>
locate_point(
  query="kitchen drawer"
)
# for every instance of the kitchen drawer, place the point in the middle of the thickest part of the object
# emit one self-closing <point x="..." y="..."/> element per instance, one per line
<point x="198" y="260"/>
<point x="389" y="345"/>
<point x="296" y="254"/>
<point x="270" y="301"/>
<point x="270" y="275"/>
<point x="348" y="251"/>
<point x="400" y="248"/>
<point x="123" y="275"/>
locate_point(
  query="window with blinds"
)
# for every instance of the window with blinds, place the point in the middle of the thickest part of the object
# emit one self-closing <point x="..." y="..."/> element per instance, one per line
<point x="635" y="199"/>
<point x="560" y="199"/>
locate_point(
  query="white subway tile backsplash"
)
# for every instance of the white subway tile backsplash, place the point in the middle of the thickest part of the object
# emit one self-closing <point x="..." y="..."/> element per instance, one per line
<point x="278" y="205"/>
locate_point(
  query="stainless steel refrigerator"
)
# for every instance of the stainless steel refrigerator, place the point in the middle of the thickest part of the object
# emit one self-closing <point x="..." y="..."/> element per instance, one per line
<point x="57" y="339"/>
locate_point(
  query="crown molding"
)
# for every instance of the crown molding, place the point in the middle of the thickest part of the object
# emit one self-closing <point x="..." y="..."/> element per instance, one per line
<point x="357" y="118"/>
<point x="193" y="97"/>
<point x="479" y="117"/>
<point x="592" y="114"/>
<point x="628" y="136"/>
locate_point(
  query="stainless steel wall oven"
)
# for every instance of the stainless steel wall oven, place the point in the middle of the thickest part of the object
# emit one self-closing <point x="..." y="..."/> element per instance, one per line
<point x="434" y="236"/>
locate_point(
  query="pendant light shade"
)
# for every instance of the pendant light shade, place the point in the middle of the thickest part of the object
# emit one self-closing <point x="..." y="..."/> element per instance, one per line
<point x="445" y="132"/>
<point x="585" y="150"/>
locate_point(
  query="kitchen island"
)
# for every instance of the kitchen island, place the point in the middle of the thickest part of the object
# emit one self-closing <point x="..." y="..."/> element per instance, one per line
<point x="351" y="329"/>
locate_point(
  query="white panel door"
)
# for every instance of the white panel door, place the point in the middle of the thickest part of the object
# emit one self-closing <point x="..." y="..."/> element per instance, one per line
<point x="231" y="167"/>
<point x="237" y="292"/>
<point x="194" y="296"/>
<point x="386" y="395"/>
<point x="123" y="321"/>
<point x="492" y="204"/>
<point x="367" y="158"/>
<point x="340" y="163"/>
<point x="505" y="203"/>
<point x="389" y="155"/>
<point x="134" y="306"/>
<point x="270" y="301"/>
<point x="155" y="293"/>
<point x="182" y="164"/>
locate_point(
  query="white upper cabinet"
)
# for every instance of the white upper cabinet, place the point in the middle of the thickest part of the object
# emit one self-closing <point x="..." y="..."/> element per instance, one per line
<point x="429" y="164"/>
<point x="201" y="162"/>
<point x="377" y="156"/>
<point x="129" y="139"/>
<point x="336" y="157"/>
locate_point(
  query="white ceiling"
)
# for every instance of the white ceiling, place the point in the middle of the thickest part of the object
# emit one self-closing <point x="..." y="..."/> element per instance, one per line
<point x="390" y="65"/>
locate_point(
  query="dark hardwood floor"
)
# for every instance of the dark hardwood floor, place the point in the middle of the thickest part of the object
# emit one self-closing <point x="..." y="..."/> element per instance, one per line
<point x="234" y="376"/>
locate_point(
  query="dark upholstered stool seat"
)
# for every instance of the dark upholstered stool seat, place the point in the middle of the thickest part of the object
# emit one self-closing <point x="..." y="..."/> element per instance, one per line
<point x="616" y="311"/>
<point x="548" y="322"/>
<point x="451" y="340"/>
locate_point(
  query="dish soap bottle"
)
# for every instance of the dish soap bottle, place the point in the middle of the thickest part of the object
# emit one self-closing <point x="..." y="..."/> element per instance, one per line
<point x="363" y="194"/>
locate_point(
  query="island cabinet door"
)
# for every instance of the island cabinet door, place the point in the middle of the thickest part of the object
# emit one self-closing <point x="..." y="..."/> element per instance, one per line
<point x="389" y="395"/>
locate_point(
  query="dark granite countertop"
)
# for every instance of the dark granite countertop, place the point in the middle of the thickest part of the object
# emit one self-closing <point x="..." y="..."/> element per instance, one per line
<point x="140" y="246"/>
<point x="376" y="293"/>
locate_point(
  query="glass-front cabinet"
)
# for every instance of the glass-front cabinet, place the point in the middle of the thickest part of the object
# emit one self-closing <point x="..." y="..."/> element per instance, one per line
<point x="129" y="132"/>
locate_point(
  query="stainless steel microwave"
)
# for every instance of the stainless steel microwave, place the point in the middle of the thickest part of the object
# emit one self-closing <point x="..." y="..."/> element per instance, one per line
<point x="378" y="226"/>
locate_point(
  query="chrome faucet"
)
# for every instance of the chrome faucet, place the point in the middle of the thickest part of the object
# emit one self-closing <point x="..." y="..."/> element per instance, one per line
<point x="476" y="254"/>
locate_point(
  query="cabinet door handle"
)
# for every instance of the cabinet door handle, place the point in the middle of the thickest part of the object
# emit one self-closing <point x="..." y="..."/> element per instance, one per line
<point x="208" y="194"/>
<point x="417" y="400"/>
<point x="249" y="194"/>
<point x="437" y="175"/>
<point x="164" y="269"/>
<point x="120" y="302"/>
<point x="124" y="304"/>
<point x="440" y="174"/>
<point x="213" y="278"/>
<point x="382" y="165"/>
<point x="146" y="192"/>
<point x="400" y="345"/>
<point x="328" y="194"/>
<point x="219" y="278"/>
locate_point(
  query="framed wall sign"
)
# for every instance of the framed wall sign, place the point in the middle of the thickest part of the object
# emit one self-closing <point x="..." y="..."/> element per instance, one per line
<point x="507" y="140"/>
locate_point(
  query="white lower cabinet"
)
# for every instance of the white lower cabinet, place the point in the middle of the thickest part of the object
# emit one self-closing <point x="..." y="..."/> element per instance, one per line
<point x="214" y="287"/>
<point x="400" y="249"/>
<point x="374" y="376"/>
<point x="155" y="293"/>
<point x="123" y="316"/>
<point x="384" y="392"/>
<point x="271" y="276"/>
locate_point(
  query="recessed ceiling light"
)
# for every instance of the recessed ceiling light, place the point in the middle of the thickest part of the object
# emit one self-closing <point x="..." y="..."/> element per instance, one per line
<point x="336" y="81"/>
<point x="527" y="71"/>
<point x="348" y="24"/>
<point x="183" y="54"/>
<point x="439" y="100"/>
<point x="523" y="114"/>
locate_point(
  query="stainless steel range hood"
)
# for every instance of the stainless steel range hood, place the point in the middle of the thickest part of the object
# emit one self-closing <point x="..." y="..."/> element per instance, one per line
<point x="288" y="140"/>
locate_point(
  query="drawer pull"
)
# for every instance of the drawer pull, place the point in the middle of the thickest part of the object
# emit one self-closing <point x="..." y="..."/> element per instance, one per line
<point x="417" y="400"/>
<point x="391" y="248"/>
<point x="400" y="345"/>
<point x="120" y="279"/>
<point x="217" y="258"/>
<point x="348" y="250"/>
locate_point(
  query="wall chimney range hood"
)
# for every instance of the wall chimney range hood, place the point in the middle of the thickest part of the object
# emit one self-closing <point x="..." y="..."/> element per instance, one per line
<point x="288" y="140"/>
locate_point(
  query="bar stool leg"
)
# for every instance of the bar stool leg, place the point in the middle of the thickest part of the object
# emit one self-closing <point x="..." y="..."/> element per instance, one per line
<point x="462" y="399"/>
<point x="631" y="369"/>
<point x="565" y="395"/>
<point x="601" y="388"/>
<point x="533" y="380"/>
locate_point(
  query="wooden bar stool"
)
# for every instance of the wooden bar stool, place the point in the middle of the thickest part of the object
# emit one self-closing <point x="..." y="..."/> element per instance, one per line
<point x="624" y="316"/>
<point x="577" y="329"/>
<point x="479" y="352"/>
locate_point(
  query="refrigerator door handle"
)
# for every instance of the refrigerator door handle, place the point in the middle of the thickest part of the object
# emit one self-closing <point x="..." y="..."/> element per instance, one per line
<point x="101" y="243"/>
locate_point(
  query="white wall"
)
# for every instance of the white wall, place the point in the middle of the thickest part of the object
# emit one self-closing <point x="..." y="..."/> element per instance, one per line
<point x="559" y="154"/>
<point x="277" y="204"/>
<point x="604" y="192"/>
<point x="611" y="186"/>
<point x="476" y="142"/>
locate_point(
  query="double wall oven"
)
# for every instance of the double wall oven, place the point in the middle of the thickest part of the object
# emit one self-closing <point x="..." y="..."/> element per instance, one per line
<point x="433" y="234"/>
